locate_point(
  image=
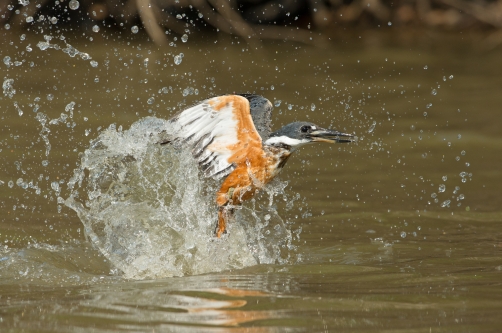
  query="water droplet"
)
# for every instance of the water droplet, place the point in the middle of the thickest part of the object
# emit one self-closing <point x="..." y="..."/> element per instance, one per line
<point x="428" y="106"/>
<point x="178" y="58"/>
<point x="29" y="19"/>
<point x="444" y="178"/>
<point x="8" y="89"/>
<point x="24" y="2"/>
<point x="134" y="29"/>
<point x="19" y="111"/>
<point x="442" y="188"/>
<point x="22" y="37"/>
<point x="277" y="103"/>
<point x="389" y="23"/>
<point x="54" y="20"/>
<point x="70" y="50"/>
<point x="151" y="100"/>
<point x="94" y="63"/>
<point x="446" y="203"/>
<point x="7" y="26"/>
<point x="403" y="234"/>
<point x="50" y="97"/>
<point x="434" y="92"/>
<point x="179" y="17"/>
<point x="70" y="107"/>
<point x="459" y="136"/>
<point x="73" y="4"/>
<point x="312" y="107"/>
<point x="462" y="153"/>
<point x="467" y="164"/>
<point x="372" y="127"/>
<point x="451" y="77"/>
<point x="290" y="106"/>
<point x="433" y="195"/>
<point x="184" y="38"/>
<point x="200" y="15"/>
<point x="95" y="28"/>
<point x="272" y="87"/>
<point x="45" y="163"/>
<point x="55" y="186"/>
<point x="425" y="67"/>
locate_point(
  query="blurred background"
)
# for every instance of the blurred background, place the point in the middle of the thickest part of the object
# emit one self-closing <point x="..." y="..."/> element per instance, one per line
<point x="298" y="20"/>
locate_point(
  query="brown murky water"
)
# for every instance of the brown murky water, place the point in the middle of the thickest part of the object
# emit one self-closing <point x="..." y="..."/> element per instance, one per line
<point x="400" y="232"/>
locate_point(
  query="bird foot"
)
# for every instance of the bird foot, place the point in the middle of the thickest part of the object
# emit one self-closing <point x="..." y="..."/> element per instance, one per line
<point x="219" y="231"/>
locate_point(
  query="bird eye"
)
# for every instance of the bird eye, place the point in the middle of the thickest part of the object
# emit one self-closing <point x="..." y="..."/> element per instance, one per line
<point x="305" y="129"/>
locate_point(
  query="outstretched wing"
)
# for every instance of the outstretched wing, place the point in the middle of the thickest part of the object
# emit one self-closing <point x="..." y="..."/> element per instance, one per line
<point x="216" y="130"/>
<point x="261" y="111"/>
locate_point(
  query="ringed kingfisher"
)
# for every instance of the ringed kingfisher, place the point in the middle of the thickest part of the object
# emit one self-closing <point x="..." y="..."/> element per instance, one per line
<point x="230" y="137"/>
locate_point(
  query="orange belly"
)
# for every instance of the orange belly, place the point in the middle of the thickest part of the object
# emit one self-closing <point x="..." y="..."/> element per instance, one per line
<point x="253" y="172"/>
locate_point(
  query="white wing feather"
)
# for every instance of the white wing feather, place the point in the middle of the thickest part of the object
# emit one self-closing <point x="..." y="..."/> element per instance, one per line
<point x="208" y="133"/>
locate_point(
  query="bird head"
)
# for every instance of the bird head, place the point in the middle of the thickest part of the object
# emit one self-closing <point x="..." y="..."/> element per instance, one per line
<point x="299" y="133"/>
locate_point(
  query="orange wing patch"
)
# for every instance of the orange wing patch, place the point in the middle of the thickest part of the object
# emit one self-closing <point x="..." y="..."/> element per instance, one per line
<point x="247" y="136"/>
<point x="247" y="155"/>
<point x="223" y="101"/>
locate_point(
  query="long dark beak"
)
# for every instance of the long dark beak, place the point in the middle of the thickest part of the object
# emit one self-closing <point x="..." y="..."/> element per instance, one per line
<point x="330" y="136"/>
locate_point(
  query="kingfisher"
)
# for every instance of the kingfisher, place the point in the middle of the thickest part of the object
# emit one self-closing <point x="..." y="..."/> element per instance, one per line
<point x="230" y="137"/>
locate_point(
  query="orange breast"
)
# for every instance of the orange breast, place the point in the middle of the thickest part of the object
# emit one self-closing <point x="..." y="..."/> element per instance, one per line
<point x="252" y="173"/>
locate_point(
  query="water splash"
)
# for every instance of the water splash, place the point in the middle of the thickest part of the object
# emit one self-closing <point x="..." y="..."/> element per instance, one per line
<point x="8" y="89"/>
<point x="68" y="49"/>
<point x="145" y="207"/>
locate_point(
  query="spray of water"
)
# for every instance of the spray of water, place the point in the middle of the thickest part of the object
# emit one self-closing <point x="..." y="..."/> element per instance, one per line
<point x="148" y="210"/>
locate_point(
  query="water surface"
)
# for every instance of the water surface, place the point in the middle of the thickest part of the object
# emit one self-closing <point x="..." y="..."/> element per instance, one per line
<point x="397" y="232"/>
